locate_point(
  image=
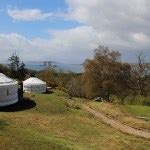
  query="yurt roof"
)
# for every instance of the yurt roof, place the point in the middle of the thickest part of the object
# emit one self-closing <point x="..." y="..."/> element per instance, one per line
<point x="5" y="80"/>
<point x="34" y="80"/>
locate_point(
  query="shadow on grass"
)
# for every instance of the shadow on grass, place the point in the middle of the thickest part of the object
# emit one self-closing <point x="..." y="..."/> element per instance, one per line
<point x="22" y="104"/>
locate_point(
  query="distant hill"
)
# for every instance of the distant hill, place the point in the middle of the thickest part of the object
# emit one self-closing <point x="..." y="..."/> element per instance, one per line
<point x="39" y="65"/>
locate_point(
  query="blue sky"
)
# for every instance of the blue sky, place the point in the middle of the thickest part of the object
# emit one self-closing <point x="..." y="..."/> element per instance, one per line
<point x="34" y="29"/>
<point x="68" y="30"/>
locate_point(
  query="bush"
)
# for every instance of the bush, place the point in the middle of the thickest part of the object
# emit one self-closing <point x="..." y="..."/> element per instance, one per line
<point x="73" y="104"/>
<point x="131" y="100"/>
<point x="116" y="100"/>
<point x="146" y="101"/>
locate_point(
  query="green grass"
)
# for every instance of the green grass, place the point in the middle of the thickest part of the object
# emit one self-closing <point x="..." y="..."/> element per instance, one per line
<point x="135" y="110"/>
<point x="137" y="100"/>
<point x="57" y="123"/>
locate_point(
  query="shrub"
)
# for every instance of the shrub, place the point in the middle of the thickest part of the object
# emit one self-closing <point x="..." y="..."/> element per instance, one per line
<point x="73" y="104"/>
<point x="146" y="101"/>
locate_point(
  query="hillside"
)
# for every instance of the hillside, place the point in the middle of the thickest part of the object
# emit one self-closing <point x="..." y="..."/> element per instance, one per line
<point x="128" y="114"/>
<point x="52" y="121"/>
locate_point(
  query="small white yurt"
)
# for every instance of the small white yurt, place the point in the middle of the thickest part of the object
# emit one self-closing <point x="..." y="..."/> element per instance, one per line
<point x="34" y="85"/>
<point x="8" y="91"/>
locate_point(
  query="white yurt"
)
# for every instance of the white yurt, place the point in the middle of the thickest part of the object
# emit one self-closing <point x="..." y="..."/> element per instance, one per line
<point x="8" y="90"/>
<point x="34" y="85"/>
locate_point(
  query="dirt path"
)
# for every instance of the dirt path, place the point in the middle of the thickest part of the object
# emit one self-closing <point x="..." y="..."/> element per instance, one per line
<point x="119" y="126"/>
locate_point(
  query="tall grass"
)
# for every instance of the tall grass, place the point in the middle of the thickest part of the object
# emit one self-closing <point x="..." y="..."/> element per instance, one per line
<point x="137" y="100"/>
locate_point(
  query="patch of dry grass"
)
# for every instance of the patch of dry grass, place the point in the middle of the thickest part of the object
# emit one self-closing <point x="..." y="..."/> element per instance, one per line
<point x="119" y="112"/>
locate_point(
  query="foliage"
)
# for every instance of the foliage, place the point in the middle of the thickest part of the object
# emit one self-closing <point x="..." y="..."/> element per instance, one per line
<point x="4" y="69"/>
<point x="137" y="100"/>
<point x="139" y="77"/>
<point x="31" y="73"/>
<point x="75" y="87"/>
<point x="73" y="104"/>
<point x="49" y="75"/>
<point x="104" y="74"/>
<point x="65" y="78"/>
<point x="17" y="67"/>
<point x="55" y="78"/>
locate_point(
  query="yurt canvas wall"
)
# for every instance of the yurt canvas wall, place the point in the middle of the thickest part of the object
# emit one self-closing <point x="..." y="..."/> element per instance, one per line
<point x="8" y="91"/>
<point x="34" y="85"/>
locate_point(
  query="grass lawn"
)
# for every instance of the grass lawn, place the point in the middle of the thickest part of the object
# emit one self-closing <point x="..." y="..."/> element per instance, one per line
<point x="125" y="113"/>
<point x="51" y="121"/>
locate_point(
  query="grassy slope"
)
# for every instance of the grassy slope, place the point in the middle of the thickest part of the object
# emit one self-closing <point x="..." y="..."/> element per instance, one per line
<point x="53" y="125"/>
<point x="135" y="110"/>
<point x="125" y="113"/>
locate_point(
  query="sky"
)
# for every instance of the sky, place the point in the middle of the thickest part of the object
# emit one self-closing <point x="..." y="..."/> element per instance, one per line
<point x="68" y="31"/>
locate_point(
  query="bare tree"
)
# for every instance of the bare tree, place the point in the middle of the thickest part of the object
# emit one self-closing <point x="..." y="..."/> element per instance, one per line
<point x="140" y="76"/>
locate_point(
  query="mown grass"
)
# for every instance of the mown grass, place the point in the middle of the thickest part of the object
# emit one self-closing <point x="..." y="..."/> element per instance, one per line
<point x="58" y="123"/>
<point x="125" y="113"/>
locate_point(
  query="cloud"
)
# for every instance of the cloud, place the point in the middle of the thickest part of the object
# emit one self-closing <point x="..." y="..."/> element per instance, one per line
<point x="68" y="46"/>
<point x="105" y="14"/>
<point x="122" y="25"/>
<point x="28" y="14"/>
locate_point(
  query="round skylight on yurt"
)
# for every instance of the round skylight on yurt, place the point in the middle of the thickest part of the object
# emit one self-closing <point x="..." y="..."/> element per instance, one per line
<point x="8" y="90"/>
<point x="34" y="84"/>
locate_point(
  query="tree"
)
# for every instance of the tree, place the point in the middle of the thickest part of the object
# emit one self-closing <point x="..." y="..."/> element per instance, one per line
<point x="17" y="68"/>
<point x="139" y="76"/>
<point x="75" y="87"/>
<point x="103" y="73"/>
<point x="4" y="69"/>
<point x="22" y="71"/>
<point x="50" y="76"/>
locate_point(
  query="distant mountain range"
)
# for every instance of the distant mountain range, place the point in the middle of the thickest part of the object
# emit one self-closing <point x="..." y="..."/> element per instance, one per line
<point x="39" y="65"/>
